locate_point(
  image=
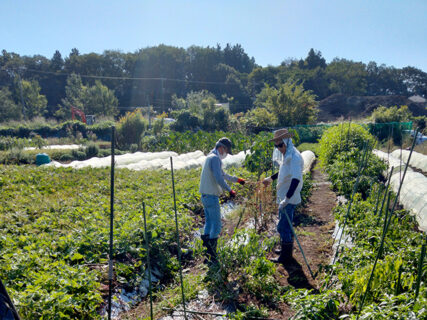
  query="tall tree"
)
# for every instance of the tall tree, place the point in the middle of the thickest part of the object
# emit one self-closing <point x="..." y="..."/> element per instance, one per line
<point x="9" y="110"/>
<point x="75" y="93"/>
<point x="347" y="77"/>
<point x="290" y="104"/>
<point x="35" y="103"/>
<point x="100" y="100"/>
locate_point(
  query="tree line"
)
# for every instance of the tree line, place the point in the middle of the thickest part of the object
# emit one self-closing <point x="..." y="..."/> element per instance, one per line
<point x="165" y="77"/>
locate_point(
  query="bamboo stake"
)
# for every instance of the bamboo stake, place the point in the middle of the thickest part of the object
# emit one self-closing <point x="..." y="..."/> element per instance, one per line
<point x="148" y="261"/>
<point x="110" y="260"/>
<point x="177" y="240"/>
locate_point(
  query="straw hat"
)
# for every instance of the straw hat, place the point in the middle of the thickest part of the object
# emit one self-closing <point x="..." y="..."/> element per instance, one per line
<point x="281" y="134"/>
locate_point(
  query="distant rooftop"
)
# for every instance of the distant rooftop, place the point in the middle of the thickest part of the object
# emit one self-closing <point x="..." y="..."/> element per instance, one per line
<point x="417" y="99"/>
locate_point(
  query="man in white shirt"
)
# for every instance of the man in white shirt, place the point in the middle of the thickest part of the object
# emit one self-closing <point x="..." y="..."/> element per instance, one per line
<point x="289" y="185"/>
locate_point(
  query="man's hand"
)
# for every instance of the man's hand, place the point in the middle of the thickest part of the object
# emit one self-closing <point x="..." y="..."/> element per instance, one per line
<point x="283" y="203"/>
<point x="232" y="193"/>
<point x="267" y="181"/>
<point x="241" y="181"/>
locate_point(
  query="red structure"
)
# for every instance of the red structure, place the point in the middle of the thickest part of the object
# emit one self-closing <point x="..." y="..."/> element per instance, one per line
<point x="75" y="111"/>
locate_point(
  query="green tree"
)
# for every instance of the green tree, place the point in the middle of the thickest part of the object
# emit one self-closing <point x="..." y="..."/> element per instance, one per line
<point x="9" y="110"/>
<point x="393" y="114"/>
<point x="290" y="104"/>
<point x="100" y="100"/>
<point x="198" y="101"/>
<point x="35" y="103"/>
<point x="75" y="93"/>
<point x="386" y="115"/>
<point x="260" y="117"/>
<point x="347" y="77"/>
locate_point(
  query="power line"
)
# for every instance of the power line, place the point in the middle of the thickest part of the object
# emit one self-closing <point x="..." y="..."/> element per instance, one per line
<point x="131" y="78"/>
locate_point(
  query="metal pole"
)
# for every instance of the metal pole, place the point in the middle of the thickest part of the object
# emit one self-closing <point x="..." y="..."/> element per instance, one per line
<point x="376" y="260"/>
<point x="148" y="261"/>
<point x="420" y="268"/>
<point x="299" y="245"/>
<point x="177" y="240"/>
<point x="385" y="195"/>
<point x="380" y="189"/>
<point x="406" y="169"/>
<point x="22" y="95"/>
<point x="110" y="260"/>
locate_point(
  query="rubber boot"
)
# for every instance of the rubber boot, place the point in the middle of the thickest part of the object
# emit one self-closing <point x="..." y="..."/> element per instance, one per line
<point x="212" y="249"/>
<point x="285" y="253"/>
<point x="205" y="239"/>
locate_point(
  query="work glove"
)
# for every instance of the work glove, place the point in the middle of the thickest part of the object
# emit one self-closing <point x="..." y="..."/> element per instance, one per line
<point x="283" y="203"/>
<point x="232" y="193"/>
<point x="241" y="181"/>
<point x="267" y="181"/>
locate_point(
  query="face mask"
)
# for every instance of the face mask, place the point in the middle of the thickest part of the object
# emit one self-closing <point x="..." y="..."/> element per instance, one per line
<point x="222" y="156"/>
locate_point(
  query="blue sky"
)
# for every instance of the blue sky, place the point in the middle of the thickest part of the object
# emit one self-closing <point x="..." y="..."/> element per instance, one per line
<point x="393" y="32"/>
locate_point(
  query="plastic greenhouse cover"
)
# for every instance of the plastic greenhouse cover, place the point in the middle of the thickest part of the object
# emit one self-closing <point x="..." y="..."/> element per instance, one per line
<point x="152" y="160"/>
<point x="161" y="160"/>
<point x="58" y="146"/>
<point x="308" y="157"/>
<point x="413" y="195"/>
<point x="399" y="166"/>
<point x="418" y="160"/>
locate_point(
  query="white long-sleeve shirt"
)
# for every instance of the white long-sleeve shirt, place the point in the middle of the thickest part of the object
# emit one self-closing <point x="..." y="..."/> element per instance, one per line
<point x="291" y="168"/>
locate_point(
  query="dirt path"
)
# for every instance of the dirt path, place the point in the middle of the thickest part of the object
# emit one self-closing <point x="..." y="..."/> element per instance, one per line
<point x="314" y="227"/>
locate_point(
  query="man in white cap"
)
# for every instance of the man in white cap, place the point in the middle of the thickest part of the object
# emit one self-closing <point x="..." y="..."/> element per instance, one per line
<point x="289" y="185"/>
<point x="212" y="183"/>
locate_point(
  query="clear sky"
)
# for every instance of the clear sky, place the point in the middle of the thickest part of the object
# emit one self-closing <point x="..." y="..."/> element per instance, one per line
<point x="391" y="32"/>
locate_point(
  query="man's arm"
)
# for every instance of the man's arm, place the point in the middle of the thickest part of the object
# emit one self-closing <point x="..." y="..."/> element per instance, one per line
<point x="218" y="174"/>
<point x="292" y="188"/>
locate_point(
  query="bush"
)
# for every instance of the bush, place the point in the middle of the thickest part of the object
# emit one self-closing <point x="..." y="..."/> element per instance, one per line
<point x="91" y="150"/>
<point x="66" y="157"/>
<point x="130" y="129"/>
<point x="185" y="121"/>
<point x="342" y="138"/>
<point x="78" y="154"/>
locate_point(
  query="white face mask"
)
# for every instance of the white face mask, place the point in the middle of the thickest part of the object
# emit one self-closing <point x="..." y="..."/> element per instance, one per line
<point x="222" y="156"/>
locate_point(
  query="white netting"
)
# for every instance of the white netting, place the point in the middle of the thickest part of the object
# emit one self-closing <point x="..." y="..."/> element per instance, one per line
<point x="308" y="157"/>
<point x="398" y="165"/>
<point x="418" y="160"/>
<point x="153" y="160"/>
<point x="413" y="195"/>
<point x="55" y="146"/>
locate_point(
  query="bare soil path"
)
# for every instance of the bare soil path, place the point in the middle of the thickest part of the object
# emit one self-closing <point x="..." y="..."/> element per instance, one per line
<point x="314" y="226"/>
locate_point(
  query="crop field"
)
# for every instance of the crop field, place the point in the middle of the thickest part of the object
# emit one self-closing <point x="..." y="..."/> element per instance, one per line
<point x="54" y="242"/>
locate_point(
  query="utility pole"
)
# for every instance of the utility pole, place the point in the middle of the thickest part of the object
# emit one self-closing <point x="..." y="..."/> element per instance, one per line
<point x="22" y="95"/>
